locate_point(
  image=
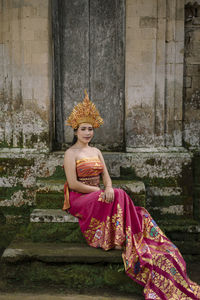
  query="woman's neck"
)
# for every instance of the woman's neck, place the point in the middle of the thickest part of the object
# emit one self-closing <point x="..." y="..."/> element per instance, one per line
<point x="80" y="145"/>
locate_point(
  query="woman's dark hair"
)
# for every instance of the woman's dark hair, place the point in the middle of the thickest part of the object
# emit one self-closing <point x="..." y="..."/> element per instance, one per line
<point x="74" y="138"/>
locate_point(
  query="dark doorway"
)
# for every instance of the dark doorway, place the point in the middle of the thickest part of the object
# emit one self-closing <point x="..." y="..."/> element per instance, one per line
<point x="88" y="38"/>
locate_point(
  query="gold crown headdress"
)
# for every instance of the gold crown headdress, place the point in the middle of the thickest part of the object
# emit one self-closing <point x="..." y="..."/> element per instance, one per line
<point x="85" y="112"/>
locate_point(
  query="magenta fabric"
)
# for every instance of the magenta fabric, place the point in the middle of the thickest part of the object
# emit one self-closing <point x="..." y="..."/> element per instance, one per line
<point x="149" y="257"/>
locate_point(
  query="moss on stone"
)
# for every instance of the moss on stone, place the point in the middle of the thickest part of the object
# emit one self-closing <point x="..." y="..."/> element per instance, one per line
<point x="51" y="232"/>
<point x="161" y="182"/>
<point x="20" y="140"/>
<point x="157" y="215"/>
<point x="166" y="201"/>
<point x="128" y="173"/>
<point x="59" y="174"/>
<point x="7" y="192"/>
<point x="76" y="277"/>
<point x="44" y="137"/>
<point x="7" y="233"/>
<point x="23" y="210"/>
<point x="14" y="166"/>
<point x="32" y="139"/>
<point x="5" y="144"/>
<point x="153" y="162"/>
<point x="51" y="200"/>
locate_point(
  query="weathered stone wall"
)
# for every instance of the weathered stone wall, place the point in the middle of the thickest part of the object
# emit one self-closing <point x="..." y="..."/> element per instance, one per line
<point x="154" y="72"/>
<point x="167" y="177"/>
<point x="25" y="73"/>
<point x="192" y="75"/>
<point x="154" y="82"/>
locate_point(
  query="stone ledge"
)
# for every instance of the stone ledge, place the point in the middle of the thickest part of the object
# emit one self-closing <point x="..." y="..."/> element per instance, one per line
<point x="57" y="185"/>
<point x="51" y="215"/>
<point x="50" y="252"/>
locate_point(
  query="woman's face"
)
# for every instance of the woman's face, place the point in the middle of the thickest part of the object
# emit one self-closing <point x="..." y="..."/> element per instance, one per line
<point x="85" y="132"/>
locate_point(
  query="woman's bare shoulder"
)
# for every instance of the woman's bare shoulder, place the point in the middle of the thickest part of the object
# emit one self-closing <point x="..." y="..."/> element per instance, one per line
<point x="95" y="150"/>
<point x="70" y="153"/>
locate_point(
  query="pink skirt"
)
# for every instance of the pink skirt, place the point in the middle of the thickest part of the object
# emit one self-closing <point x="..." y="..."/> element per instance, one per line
<point x="149" y="257"/>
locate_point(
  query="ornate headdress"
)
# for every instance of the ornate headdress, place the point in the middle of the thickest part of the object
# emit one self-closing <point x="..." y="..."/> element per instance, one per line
<point x="85" y="112"/>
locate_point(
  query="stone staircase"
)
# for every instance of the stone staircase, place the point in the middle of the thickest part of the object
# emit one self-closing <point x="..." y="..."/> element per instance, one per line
<point x="51" y="250"/>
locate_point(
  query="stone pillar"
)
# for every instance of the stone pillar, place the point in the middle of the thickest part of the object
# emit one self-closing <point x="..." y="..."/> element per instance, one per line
<point x="192" y="75"/>
<point x="154" y="73"/>
<point x="25" y="68"/>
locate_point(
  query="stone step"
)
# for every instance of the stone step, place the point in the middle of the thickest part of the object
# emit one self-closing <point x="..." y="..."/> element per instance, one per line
<point x="73" y="253"/>
<point x="50" y="192"/>
<point x="56" y="185"/>
<point x="51" y="215"/>
<point x="58" y="252"/>
<point x="57" y="215"/>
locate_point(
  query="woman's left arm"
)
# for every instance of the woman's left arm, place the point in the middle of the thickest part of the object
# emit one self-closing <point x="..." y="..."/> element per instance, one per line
<point x="109" y="192"/>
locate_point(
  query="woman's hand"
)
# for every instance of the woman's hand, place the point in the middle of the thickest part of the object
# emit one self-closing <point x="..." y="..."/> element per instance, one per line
<point x="109" y="194"/>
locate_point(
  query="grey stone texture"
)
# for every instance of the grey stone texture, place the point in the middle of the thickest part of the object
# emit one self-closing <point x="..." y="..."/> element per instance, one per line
<point x="140" y="65"/>
<point x="65" y="253"/>
<point x="192" y="75"/>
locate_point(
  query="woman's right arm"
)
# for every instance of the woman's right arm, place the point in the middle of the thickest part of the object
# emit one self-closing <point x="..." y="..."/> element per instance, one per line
<point x="70" y="172"/>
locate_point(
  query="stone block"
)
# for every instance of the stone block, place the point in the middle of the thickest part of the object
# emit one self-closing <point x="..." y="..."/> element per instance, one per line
<point x="132" y="23"/>
<point x="171" y="52"/>
<point x="196" y="21"/>
<point x="27" y="35"/>
<point x="15" y="13"/>
<point x="187" y="81"/>
<point x="33" y="24"/>
<point x="59" y="253"/>
<point x="171" y="10"/>
<point x="39" y="46"/>
<point x="196" y="34"/>
<point x="40" y="58"/>
<point x="51" y="215"/>
<point x="180" y="10"/>
<point x="27" y="93"/>
<point x="42" y="35"/>
<point x="170" y="32"/>
<point x="196" y="82"/>
<point x="28" y="11"/>
<point x="132" y="9"/>
<point x="147" y="8"/>
<point x="180" y="31"/>
<point x="148" y="33"/>
<point x="161" y="6"/>
<point x="148" y="22"/>
<point x="191" y="70"/>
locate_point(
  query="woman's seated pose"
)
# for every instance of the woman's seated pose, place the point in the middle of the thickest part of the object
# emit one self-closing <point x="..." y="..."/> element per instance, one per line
<point x="109" y="219"/>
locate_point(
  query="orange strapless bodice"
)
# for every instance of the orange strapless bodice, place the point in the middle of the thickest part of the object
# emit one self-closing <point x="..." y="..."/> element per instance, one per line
<point x="88" y="172"/>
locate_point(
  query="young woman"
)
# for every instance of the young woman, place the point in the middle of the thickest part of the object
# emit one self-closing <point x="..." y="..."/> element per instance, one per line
<point x="109" y="219"/>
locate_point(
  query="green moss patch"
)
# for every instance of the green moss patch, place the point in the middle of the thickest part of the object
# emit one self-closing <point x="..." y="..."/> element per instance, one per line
<point x="128" y="173"/>
<point x="58" y="174"/>
<point x="14" y="166"/>
<point x="165" y="201"/>
<point x="51" y="200"/>
<point x="7" y="233"/>
<point x="76" y="277"/>
<point x="161" y="182"/>
<point x="7" y="192"/>
<point x="51" y="232"/>
<point x="23" y="210"/>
